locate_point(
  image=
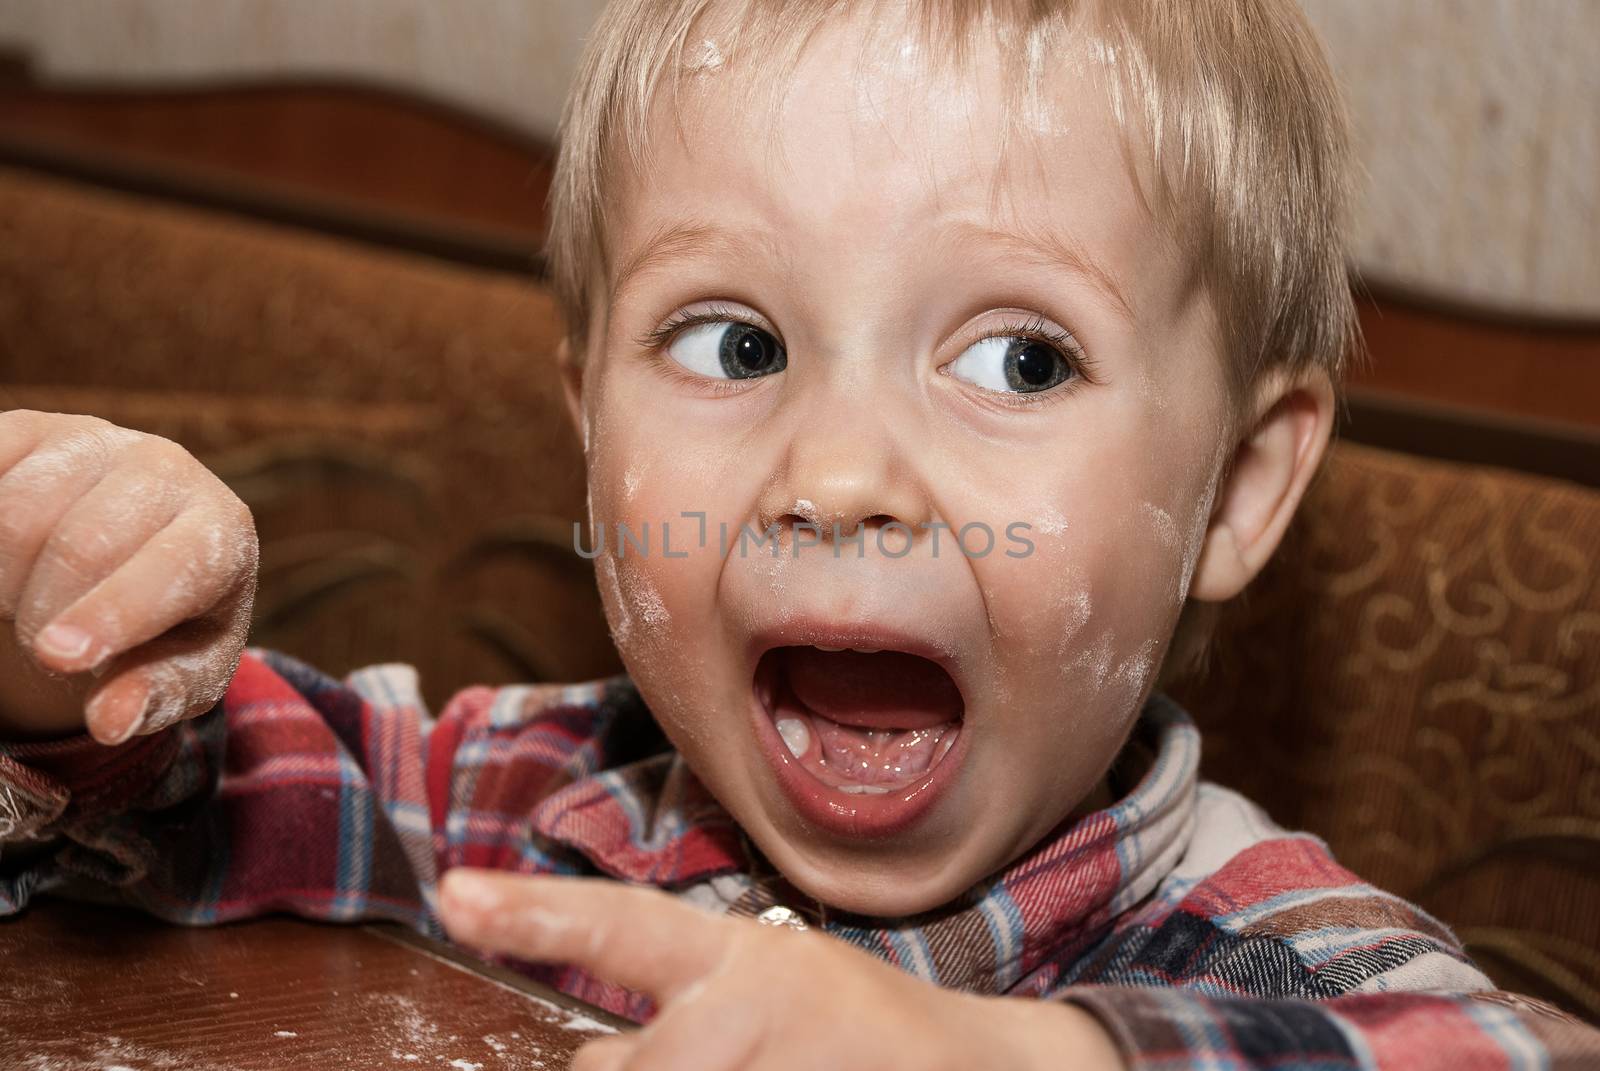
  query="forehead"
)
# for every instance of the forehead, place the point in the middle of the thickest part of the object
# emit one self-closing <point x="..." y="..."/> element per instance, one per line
<point x="875" y="132"/>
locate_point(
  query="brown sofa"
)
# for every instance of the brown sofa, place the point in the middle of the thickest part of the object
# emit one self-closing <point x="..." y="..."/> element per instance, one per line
<point x="1416" y="678"/>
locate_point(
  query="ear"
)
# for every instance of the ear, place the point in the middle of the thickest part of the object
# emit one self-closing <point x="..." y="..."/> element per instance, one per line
<point x="1271" y="469"/>
<point x="571" y="382"/>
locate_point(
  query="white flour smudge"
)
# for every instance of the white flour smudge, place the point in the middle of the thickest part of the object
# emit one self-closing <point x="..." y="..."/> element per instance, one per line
<point x="110" y="1053"/>
<point x="1166" y="528"/>
<point x="648" y="605"/>
<point x="1051" y="522"/>
<point x="584" y="1024"/>
<point x="416" y="1039"/>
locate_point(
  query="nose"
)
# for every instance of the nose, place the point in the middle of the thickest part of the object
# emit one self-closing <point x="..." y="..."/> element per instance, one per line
<point x="844" y="473"/>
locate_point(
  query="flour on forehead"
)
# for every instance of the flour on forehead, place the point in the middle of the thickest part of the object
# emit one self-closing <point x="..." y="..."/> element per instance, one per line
<point x="706" y="58"/>
<point x="1214" y="154"/>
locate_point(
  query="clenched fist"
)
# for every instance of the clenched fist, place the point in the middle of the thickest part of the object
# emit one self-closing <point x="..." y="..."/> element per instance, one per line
<point x="127" y="572"/>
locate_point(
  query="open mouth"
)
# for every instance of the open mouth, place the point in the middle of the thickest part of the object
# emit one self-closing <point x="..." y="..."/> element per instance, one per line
<point x="864" y="734"/>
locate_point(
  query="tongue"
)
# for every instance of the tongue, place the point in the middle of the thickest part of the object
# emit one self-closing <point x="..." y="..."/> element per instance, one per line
<point x="882" y="690"/>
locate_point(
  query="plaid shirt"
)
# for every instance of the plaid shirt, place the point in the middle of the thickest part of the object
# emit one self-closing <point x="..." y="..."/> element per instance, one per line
<point x="1198" y="932"/>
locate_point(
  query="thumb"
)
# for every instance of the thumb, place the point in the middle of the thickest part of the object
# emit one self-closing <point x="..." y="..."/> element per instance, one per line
<point x="178" y="675"/>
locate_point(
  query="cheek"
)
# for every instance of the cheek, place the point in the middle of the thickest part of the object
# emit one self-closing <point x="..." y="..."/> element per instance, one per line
<point x="661" y="608"/>
<point x="658" y="574"/>
<point x="1087" y="613"/>
<point x="654" y="579"/>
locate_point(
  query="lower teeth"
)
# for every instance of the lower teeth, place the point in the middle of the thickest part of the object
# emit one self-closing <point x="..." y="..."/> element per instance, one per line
<point x="796" y="737"/>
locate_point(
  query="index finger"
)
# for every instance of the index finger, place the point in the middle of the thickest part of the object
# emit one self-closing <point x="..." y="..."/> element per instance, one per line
<point x="642" y="939"/>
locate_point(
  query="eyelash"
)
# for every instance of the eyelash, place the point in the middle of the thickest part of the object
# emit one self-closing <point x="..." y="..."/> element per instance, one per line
<point x="661" y="336"/>
<point x="1035" y="328"/>
<point x="1070" y="350"/>
<point x="1062" y="341"/>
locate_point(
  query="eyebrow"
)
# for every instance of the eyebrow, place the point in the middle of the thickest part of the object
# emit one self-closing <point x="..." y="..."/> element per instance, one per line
<point x="1054" y="251"/>
<point x="697" y="238"/>
<point x="689" y="238"/>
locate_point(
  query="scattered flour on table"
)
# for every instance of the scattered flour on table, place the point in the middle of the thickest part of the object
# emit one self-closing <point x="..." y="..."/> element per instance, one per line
<point x="416" y="1039"/>
<point x="417" y="1031"/>
<point x="22" y="990"/>
<point x="571" y="1020"/>
<point x="109" y="1053"/>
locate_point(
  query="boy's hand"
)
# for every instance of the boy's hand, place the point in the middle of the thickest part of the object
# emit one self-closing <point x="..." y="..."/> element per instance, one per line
<point x="127" y="572"/>
<point x="734" y="995"/>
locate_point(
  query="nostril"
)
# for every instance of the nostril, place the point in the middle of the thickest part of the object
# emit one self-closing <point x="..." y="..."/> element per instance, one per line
<point x="826" y="528"/>
<point x="788" y="522"/>
<point x="842" y="526"/>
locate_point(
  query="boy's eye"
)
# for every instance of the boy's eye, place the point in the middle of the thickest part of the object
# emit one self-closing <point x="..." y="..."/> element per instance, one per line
<point x="728" y="349"/>
<point x="1012" y="364"/>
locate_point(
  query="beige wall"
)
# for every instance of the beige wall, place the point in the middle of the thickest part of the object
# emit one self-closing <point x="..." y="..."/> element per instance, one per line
<point x="1478" y="120"/>
<point x="511" y="58"/>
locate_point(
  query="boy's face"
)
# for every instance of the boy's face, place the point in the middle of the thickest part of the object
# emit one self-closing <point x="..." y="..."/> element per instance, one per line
<point x="975" y="331"/>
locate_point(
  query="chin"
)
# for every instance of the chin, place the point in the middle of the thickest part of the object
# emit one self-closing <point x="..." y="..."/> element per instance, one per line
<point x="877" y="881"/>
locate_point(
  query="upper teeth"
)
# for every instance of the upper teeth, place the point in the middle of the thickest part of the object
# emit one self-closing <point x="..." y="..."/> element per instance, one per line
<point x="857" y="650"/>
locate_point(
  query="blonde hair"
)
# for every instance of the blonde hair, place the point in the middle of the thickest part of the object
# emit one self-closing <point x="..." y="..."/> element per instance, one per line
<point x="1232" y="100"/>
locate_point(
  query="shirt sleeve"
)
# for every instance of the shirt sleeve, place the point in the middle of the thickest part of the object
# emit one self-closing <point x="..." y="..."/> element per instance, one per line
<point x="1170" y="1029"/>
<point x="298" y="793"/>
<point x="1261" y="951"/>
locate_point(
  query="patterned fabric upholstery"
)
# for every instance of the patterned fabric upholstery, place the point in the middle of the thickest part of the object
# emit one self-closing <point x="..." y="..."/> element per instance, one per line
<point x="1416" y="678"/>
<point x="394" y="422"/>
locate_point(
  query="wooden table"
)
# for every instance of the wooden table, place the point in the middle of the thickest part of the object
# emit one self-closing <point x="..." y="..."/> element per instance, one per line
<point x="101" y="989"/>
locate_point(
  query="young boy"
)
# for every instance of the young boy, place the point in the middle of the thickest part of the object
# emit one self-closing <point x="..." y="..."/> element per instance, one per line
<point x="941" y="363"/>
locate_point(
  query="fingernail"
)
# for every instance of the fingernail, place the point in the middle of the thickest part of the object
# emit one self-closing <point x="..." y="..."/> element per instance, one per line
<point x="63" y="641"/>
<point x="129" y="719"/>
<point x="470" y="892"/>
